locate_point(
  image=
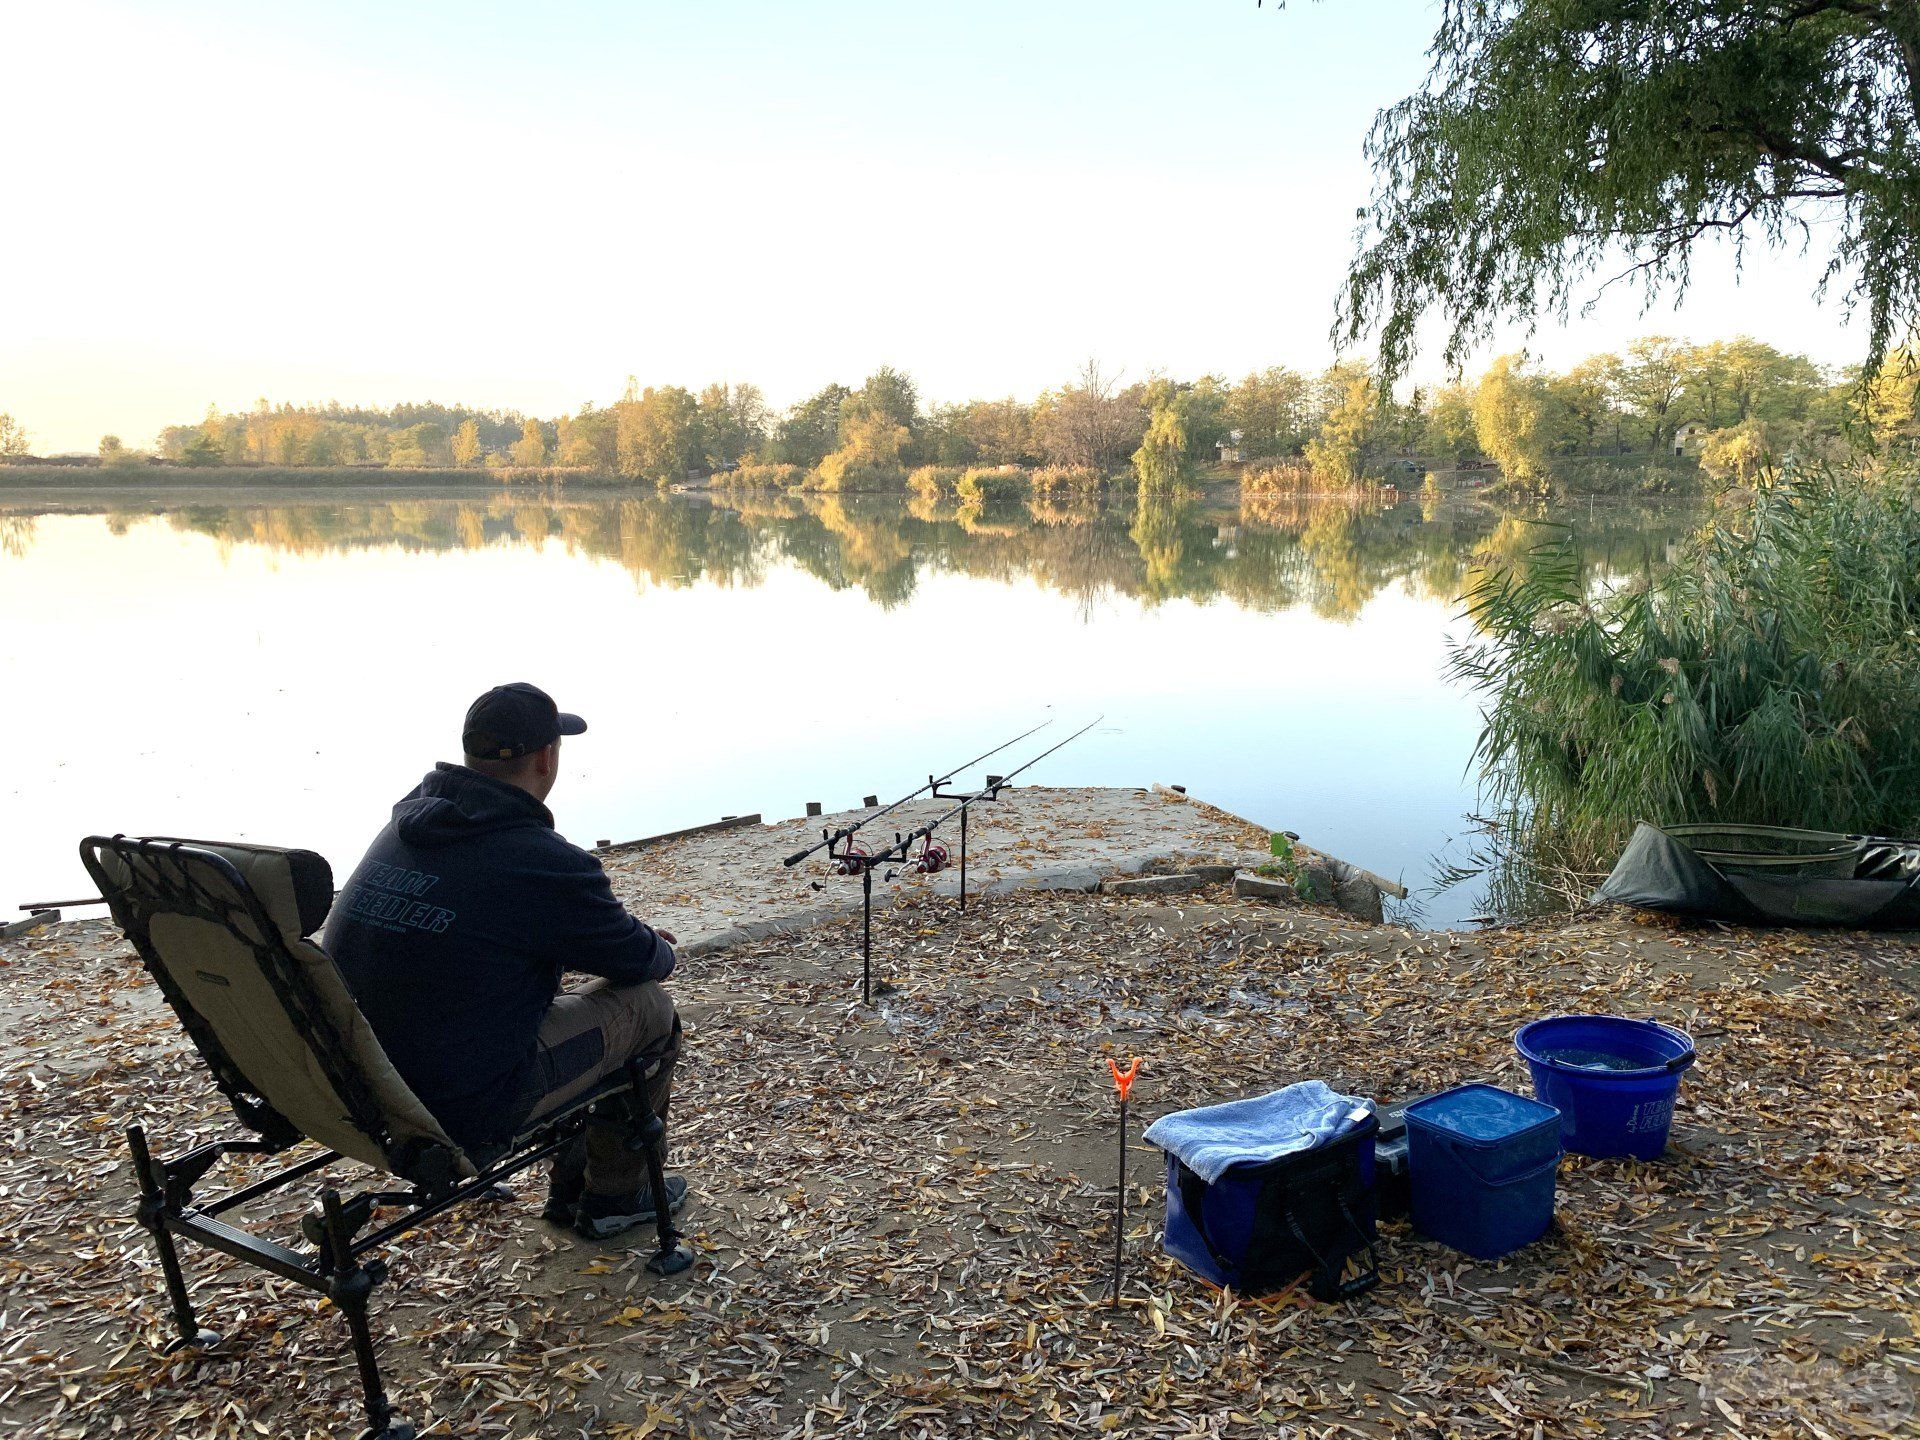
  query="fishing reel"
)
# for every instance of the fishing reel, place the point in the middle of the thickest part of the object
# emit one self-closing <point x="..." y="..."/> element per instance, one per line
<point x="932" y="859"/>
<point x="850" y="861"/>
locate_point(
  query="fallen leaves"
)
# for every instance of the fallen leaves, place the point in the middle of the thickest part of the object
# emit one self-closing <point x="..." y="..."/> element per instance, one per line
<point x="903" y="1213"/>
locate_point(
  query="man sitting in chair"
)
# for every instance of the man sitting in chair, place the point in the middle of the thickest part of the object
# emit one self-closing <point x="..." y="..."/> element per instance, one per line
<point x="453" y="933"/>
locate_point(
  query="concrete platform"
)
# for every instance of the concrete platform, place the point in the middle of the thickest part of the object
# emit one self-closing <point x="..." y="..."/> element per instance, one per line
<point x="721" y="887"/>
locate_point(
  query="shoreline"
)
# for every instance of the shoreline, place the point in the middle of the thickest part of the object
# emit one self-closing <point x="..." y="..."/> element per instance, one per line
<point x="28" y="478"/>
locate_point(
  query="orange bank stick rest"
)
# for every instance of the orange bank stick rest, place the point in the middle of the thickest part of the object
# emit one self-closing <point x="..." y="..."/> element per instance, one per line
<point x="1123" y="1086"/>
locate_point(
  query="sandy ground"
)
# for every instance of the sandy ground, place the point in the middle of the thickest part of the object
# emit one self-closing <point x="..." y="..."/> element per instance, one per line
<point x="904" y="1213"/>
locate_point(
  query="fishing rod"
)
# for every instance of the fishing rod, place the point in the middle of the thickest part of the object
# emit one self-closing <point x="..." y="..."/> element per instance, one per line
<point x="903" y="844"/>
<point x="850" y="859"/>
<point x="830" y="838"/>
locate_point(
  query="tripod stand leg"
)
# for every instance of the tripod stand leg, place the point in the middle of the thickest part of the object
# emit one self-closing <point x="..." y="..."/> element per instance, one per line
<point x="866" y="936"/>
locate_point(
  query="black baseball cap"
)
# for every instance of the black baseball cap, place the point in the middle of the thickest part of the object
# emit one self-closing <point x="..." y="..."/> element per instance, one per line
<point x="514" y="720"/>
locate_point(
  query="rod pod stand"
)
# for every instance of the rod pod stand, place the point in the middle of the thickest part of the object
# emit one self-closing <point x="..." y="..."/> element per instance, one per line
<point x="850" y="860"/>
<point x="866" y="935"/>
<point x="990" y="791"/>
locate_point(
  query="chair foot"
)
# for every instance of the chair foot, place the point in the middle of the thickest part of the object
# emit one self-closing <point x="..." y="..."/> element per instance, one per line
<point x="671" y="1262"/>
<point x="199" y="1340"/>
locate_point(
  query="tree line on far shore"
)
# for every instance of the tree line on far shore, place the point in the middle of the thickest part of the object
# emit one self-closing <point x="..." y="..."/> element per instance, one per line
<point x="1735" y="405"/>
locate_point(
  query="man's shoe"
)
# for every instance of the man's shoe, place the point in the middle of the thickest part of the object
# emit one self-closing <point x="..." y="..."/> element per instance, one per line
<point x="563" y="1199"/>
<point x="599" y="1217"/>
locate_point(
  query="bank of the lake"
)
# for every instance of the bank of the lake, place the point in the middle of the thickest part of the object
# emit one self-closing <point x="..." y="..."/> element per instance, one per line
<point x="903" y="1213"/>
<point x="1613" y="475"/>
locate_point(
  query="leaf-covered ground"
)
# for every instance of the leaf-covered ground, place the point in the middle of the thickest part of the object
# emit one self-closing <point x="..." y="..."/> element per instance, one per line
<point x="904" y="1214"/>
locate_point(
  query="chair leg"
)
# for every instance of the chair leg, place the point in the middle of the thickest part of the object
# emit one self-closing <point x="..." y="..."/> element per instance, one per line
<point x="670" y="1257"/>
<point x="151" y="1214"/>
<point x="649" y="1134"/>
<point x="350" y="1291"/>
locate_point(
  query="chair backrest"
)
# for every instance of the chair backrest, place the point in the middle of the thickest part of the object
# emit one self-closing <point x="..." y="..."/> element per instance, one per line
<point x="224" y="930"/>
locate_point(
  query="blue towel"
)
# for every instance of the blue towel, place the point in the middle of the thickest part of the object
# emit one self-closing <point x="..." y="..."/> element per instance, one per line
<point x="1211" y="1140"/>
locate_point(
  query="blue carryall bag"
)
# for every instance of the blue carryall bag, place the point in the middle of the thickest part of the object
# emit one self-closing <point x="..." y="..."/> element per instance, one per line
<point x="1258" y="1227"/>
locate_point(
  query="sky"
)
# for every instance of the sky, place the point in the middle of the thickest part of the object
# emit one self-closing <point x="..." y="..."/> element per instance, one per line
<point x="518" y="206"/>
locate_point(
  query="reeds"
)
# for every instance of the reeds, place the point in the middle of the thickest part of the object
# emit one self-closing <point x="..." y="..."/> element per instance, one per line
<point x="762" y="477"/>
<point x="984" y="485"/>
<point x="934" y="481"/>
<point x="843" y="472"/>
<point x="1067" y="480"/>
<point x="1771" y="675"/>
<point x="1297" y="477"/>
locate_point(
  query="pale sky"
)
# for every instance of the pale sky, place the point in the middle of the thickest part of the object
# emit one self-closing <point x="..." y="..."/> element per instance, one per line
<point x="517" y="206"/>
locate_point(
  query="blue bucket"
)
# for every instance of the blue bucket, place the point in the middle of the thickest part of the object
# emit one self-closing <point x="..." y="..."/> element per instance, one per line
<point x="1613" y="1080"/>
<point x="1480" y="1164"/>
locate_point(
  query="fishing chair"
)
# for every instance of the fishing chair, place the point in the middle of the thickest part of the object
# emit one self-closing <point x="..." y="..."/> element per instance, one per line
<point x="224" y="931"/>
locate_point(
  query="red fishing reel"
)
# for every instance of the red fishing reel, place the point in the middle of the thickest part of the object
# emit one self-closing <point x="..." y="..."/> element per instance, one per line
<point x="932" y="859"/>
<point x="850" y="861"/>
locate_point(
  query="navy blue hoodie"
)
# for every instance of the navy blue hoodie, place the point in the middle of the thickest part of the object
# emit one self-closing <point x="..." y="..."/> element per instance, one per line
<point x="452" y="935"/>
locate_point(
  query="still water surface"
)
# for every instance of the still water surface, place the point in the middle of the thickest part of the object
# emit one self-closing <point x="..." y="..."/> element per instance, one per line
<point x="280" y="667"/>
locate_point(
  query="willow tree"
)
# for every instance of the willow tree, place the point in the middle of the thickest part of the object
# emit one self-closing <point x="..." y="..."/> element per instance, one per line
<point x="1554" y="139"/>
<point x="1510" y="419"/>
<point x="1161" y="462"/>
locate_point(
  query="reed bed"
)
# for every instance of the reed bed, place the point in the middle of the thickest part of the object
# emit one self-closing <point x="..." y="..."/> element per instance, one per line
<point x="1769" y="676"/>
<point x="1297" y="477"/>
<point x="762" y="477"/>
<point x="1286" y="510"/>
<point x="983" y="485"/>
<point x="934" y="481"/>
<point x="1068" y="480"/>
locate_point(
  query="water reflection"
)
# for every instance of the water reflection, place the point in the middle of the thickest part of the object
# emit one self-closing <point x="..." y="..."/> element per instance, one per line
<point x="1266" y="554"/>
<point x="1284" y="658"/>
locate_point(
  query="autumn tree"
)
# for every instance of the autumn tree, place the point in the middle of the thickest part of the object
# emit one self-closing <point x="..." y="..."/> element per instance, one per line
<point x="1653" y="377"/>
<point x="733" y="422"/>
<point x="14" y="439"/>
<point x="1089" y="423"/>
<point x="587" y="441"/>
<point x="657" y="434"/>
<point x="467" y="447"/>
<point x="810" y="430"/>
<point x="1163" y="462"/>
<point x="1890" y="403"/>
<point x="1338" y="453"/>
<point x="991" y="432"/>
<point x="1737" y="452"/>
<point x="1510" y="419"/>
<point x="1585" y="398"/>
<point x="1448" y="431"/>
<point x="530" y="450"/>
<point x="869" y="456"/>
<point x="889" y="395"/>
<point x="114" y="455"/>
<point x="1270" y="408"/>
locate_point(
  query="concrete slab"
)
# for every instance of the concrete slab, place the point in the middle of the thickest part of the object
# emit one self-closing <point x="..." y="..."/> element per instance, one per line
<point x="725" y="886"/>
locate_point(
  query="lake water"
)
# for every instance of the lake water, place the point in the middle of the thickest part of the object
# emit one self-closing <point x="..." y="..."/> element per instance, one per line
<point x="281" y="666"/>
